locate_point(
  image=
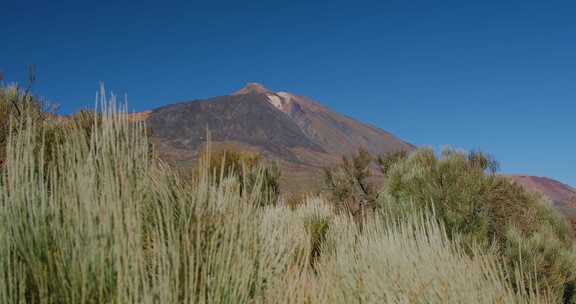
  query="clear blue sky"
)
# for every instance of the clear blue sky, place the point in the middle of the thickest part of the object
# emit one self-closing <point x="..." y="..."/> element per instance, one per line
<point x="493" y="75"/>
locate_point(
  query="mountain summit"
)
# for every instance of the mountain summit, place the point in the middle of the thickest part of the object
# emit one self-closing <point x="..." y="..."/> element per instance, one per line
<point x="252" y="88"/>
<point x="295" y="130"/>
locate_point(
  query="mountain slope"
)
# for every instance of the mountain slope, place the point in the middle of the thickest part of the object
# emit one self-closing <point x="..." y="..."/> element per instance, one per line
<point x="562" y="196"/>
<point x="337" y="134"/>
<point x="249" y="119"/>
<point x="300" y="133"/>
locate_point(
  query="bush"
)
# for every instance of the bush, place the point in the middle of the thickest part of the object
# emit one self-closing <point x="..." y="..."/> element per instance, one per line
<point x="483" y="208"/>
<point x="351" y="184"/>
<point x="17" y="104"/>
<point x="253" y="175"/>
<point x="544" y="252"/>
<point x="316" y="217"/>
<point x="347" y="183"/>
<point x="386" y="161"/>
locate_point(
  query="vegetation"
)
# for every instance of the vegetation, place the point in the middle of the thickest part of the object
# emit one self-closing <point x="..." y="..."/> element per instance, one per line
<point x="485" y="210"/>
<point x="386" y="161"/>
<point x="17" y="103"/>
<point x="93" y="217"/>
<point x="480" y="209"/>
<point x="348" y="183"/>
<point x="253" y="175"/>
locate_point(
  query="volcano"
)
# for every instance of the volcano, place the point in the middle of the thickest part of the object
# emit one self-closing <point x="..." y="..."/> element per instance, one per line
<point x="298" y="132"/>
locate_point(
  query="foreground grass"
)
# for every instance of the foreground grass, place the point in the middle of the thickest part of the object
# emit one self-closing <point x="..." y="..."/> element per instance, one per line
<point x="100" y="221"/>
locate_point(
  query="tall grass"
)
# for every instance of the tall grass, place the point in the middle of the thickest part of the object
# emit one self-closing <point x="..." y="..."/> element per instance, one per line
<point x="101" y="221"/>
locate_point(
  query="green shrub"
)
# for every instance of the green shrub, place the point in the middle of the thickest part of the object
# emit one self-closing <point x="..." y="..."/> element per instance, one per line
<point x="316" y="218"/>
<point x="386" y="161"/>
<point x="347" y="183"/>
<point x="481" y="207"/>
<point x="16" y="104"/>
<point x="544" y="252"/>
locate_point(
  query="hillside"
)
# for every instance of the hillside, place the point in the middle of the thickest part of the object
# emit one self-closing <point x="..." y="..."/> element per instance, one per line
<point x="562" y="196"/>
<point x="298" y="132"/>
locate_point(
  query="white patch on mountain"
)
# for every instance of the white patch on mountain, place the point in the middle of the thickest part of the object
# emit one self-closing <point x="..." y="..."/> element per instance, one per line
<point x="280" y="100"/>
<point x="275" y="100"/>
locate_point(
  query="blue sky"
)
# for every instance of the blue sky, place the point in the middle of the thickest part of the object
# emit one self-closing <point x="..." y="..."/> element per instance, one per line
<point x="499" y="76"/>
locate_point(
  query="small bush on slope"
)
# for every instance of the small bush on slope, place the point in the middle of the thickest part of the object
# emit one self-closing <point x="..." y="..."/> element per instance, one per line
<point x="485" y="209"/>
<point x="103" y="223"/>
<point x="347" y="183"/>
<point x="386" y="162"/>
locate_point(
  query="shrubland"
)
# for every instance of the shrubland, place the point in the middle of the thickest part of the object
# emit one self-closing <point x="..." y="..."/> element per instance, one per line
<point x="90" y="215"/>
<point x="485" y="210"/>
<point x="481" y="210"/>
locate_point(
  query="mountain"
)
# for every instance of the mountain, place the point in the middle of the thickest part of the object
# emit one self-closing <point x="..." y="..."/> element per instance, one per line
<point x="562" y="196"/>
<point x="301" y="134"/>
<point x="296" y="131"/>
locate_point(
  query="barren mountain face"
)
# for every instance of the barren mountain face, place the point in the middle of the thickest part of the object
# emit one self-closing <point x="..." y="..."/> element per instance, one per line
<point x="248" y="119"/>
<point x="294" y="130"/>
